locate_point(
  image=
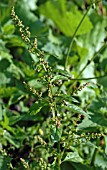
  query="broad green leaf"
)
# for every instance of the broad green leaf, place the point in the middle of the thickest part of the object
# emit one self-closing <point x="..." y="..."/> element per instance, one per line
<point x="2" y="47"/>
<point x="15" y="71"/>
<point x="11" y="139"/>
<point x="15" y="41"/>
<point x="8" y="28"/>
<point x="28" y="71"/>
<point x="66" y="97"/>
<point x="100" y="161"/>
<point x="7" y="91"/>
<point x="56" y="133"/>
<point x="4" y="12"/>
<point x="36" y="107"/>
<point x="63" y="72"/>
<point x="59" y="77"/>
<point x="99" y="110"/>
<point x="86" y="123"/>
<point x="73" y="157"/>
<point x="66" y="20"/>
<point x="76" y="109"/>
<point x="3" y="79"/>
<point x="53" y="49"/>
<point x="4" y="54"/>
<point x="5" y="124"/>
<point x="14" y="119"/>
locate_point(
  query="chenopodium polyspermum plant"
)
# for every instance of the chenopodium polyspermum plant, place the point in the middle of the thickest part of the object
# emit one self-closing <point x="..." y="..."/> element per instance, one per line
<point x="59" y="132"/>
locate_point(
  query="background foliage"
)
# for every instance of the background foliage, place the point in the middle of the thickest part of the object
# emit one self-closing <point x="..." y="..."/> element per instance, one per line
<point x="31" y="136"/>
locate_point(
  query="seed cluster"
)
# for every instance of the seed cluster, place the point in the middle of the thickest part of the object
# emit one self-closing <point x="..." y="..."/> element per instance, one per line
<point x="25" y="164"/>
<point x="80" y="88"/>
<point x="42" y="65"/>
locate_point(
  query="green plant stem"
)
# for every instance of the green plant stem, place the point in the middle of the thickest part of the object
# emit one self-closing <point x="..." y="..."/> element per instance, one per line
<point x="59" y="156"/>
<point x="87" y="78"/>
<point x="70" y="46"/>
<point x="94" y="56"/>
<point x="95" y="152"/>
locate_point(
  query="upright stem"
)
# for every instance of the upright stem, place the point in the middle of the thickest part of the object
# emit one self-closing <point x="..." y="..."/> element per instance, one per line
<point x="59" y="156"/>
<point x="70" y="46"/>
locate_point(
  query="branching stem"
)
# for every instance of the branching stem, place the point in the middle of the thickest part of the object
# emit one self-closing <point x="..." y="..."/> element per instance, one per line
<point x="94" y="56"/>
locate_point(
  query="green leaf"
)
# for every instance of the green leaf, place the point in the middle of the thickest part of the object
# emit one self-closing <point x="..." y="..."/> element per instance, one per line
<point x="15" y="41"/>
<point x="86" y="123"/>
<point x="53" y="49"/>
<point x="36" y="107"/>
<point x="56" y="133"/>
<point x="63" y="72"/>
<point x="4" y="54"/>
<point x="61" y="97"/>
<point x="66" y="20"/>
<point x="76" y="109"/>
<point x="11" y="139"/>
<point x="14" y="119"/>
<point x="99" y="110"/>
<point x="28" y="71"/>
<point x="73" y="157"/>
<point x="4" y="12"/>
<point x="100" y="161"/>
<point x="8" y="28"/>
<point x="7" y="91"/>
<point x="3" y="79"/>
<point x="59" y="77"/>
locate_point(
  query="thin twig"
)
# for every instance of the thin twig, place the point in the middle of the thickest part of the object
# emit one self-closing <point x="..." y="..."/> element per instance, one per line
<point x="94" y="56"/>
<point x="89" y="78"/>
<point x="75" y="33"/>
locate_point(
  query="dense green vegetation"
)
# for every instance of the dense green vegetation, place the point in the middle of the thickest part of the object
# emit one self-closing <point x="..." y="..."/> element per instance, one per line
<point x="53" y="92"/>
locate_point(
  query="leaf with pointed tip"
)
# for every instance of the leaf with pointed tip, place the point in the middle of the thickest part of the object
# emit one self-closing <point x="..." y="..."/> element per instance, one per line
<point x="76" y="109"/>
<point x="73" y="157"/>
<point x="37" y="106"/>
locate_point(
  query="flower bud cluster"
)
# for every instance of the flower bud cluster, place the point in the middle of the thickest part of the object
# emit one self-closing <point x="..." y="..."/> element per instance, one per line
<point x="25" y="33"/>
<point x="34" y="91"/>
<point x="82" y="138"/>
<point x="80" y="88"/>
<point x="42" y="65"/>
<point x="41" y="140"/>
<point x="25" y="164"/>
<point x="42" y="164"/>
